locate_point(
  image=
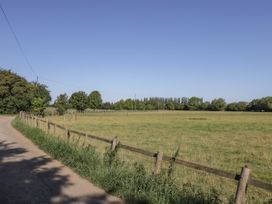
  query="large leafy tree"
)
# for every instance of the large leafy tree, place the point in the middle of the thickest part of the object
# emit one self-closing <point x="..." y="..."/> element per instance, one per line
<point x="41" y="98"/>
<point x="79" y="100"/>
<point x="61" y="103"/>
<point x="16" y="93"/>
<point x="263" y="104"/>
<point x="38" y="106"/>
<point x="170" y="105"/>
<point x="218" y="104"/>
<point x="95" y="100"/>
<point x="194" y="103"/>
<point x="129" y="104"/>
<point x="240" y="106"/>
<point x="41" y="91"/>
<point x="266" y="104"/>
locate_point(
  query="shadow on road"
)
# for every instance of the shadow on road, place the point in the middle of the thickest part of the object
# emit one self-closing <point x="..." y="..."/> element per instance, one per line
<point x="27" y="181"/>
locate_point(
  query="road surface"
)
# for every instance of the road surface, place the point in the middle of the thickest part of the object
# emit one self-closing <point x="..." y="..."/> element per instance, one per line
<point x="29" y="175"/>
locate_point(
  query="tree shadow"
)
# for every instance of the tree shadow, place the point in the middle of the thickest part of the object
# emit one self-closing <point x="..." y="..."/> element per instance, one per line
<point x="28" y="181"/>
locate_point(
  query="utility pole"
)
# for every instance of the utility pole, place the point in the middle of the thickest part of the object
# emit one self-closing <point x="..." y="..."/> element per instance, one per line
<point x="37" y="79"/>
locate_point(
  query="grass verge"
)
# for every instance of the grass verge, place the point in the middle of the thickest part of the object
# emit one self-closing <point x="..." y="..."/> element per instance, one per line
<point x="132" y="183"/>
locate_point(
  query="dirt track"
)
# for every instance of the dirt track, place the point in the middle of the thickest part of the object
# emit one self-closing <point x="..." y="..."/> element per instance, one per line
<point x="28" y="175"/>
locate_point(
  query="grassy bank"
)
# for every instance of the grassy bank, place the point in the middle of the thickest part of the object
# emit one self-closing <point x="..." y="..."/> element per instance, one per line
<point x="132" y="183"/>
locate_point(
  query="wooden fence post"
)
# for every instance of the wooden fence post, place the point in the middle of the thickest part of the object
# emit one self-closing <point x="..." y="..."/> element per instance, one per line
<point x="36" y="122"/>
<point x="157" y="164"/>
<point x="68" y="135"/>
<point x="114" y="144"/>
<point x="47" y="126"/>
<point x="78" y="140"/>
<point x="23" y="116"/>
<point x="84" y="140"/>
<point x="240" y="197"/>
<point x="172" y="162"/>
<point x="65" y="131"/>
<point x="54" y="129"/>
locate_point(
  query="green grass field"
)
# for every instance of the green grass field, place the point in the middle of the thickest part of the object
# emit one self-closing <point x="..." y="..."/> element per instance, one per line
<point x="224" y="140"/>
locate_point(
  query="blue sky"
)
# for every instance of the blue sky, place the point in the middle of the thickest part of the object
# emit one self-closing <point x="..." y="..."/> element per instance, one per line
<point x="149" y="48"/>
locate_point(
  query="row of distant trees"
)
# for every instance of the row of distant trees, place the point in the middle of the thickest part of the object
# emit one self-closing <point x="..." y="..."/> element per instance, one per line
<point x="17" y="94"/>
<point x="81" y="101"/>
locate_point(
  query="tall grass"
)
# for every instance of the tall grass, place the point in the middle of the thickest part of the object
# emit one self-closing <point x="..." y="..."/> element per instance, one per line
<point x="132" y="183"/>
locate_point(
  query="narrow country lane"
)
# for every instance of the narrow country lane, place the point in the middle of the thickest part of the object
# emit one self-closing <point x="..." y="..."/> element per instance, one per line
<point x="29" y="175"/>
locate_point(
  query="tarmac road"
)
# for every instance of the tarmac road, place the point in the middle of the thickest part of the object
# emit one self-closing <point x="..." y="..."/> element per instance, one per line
<point x="29" y="175"/>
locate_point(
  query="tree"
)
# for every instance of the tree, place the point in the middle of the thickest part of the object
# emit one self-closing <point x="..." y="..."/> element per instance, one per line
<point x="41" y="98"/>
<point x="232" y="107"/>
<point x="179" y="106"/>
<point x="107" y="105"/>
<point x="41" y="91"/>
<point x="218" y="104"/>
<point x="170" y="105"/>
<point x="263" y="104"/>
<point x="95" y="100"/>
<point x="119" y="105"/>
<point x="240" y="106"/>
<point x="254" y="105"/>
<point x="16" y="93"/>
<point x="79" y="100"/>
<point x="61" y="103"/>
<point x="266" y="103"/>
<point x="38" y="106"/>
<point x="129" y="104"/>
<point x="194" y="103"/>
<point x="140" y="105"/>
<point x="205" y="105"/>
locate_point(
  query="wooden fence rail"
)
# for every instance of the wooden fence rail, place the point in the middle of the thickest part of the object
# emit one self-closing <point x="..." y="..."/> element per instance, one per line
<point x="159" y="157"/>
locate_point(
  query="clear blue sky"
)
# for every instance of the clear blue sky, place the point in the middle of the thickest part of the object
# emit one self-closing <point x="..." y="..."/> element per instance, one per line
<point x="149" y="48"/>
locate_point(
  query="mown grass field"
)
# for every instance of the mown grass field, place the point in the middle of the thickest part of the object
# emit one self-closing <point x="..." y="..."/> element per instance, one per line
<point x="224" y="140"/>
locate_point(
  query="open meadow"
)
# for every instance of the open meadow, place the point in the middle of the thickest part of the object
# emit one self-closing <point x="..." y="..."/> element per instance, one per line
<point x="223" y="140"/>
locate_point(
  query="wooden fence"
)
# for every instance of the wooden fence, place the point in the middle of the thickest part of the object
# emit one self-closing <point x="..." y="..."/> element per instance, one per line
<point x="244" y="179"/>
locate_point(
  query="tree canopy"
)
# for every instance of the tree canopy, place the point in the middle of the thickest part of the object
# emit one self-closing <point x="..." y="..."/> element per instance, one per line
<point x="79" y="100"/>
<point x="218" y="104"/>
<point x="15" y="93"/>
<point x="95" y="100"/>
<point x="41" y="91"/>
<point x="61" y="103"/>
